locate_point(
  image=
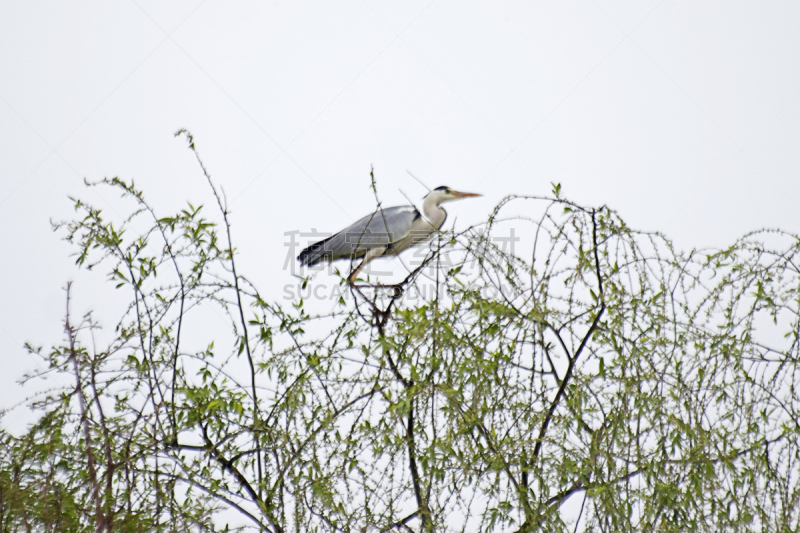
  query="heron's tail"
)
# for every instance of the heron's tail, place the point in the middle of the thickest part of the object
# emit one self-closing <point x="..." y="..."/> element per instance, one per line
<point x="314" y="253"/>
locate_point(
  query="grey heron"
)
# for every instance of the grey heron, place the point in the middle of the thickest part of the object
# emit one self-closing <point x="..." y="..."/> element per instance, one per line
<point x="385" y="232"/>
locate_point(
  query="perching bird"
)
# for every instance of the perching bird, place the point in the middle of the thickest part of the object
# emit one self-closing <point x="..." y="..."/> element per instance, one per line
<point x="385" y="232"/>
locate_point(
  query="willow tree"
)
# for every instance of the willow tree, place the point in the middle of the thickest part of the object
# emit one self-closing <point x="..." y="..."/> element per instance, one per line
<point x="600" y="380"/>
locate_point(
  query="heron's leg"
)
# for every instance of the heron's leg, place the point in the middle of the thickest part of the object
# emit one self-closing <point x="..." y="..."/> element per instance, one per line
<point x="369" y="256"/>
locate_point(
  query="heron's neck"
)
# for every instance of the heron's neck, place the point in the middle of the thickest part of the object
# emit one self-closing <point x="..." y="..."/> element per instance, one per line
<point x="433" y="213"/>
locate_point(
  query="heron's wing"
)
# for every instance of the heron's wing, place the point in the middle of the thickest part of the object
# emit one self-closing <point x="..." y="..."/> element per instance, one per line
<point x="377" y="230"/>
<point x="382" y="227"/>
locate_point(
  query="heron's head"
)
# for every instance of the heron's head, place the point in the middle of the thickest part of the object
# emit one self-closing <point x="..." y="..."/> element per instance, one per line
<point x="445" y="194"/>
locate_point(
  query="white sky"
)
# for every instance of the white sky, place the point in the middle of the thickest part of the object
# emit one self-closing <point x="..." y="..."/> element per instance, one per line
<point x="682" y="115"/>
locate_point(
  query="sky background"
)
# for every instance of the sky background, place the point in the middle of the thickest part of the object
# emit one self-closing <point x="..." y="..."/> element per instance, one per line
<point x="682" y="115"/>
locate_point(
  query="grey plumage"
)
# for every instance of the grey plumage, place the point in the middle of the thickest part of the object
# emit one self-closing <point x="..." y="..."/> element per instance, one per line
<point x="381" y="229"/>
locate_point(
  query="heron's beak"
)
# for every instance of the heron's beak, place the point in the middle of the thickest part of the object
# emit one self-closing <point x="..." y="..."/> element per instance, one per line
<point x="465" y="194"/>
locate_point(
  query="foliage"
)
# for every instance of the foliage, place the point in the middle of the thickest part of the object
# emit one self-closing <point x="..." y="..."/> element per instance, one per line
<point x="606" y="378"/>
